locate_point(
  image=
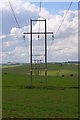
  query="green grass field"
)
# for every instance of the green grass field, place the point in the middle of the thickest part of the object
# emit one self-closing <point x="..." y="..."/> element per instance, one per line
<point x="58" y="100"/>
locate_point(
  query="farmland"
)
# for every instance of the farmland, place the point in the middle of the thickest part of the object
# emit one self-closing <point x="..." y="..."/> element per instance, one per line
<point x="59" y="99"/>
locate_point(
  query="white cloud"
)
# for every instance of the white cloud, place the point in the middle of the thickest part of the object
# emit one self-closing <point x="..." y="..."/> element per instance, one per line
<point x="65" y="44"/>
<point x="18" y="6"/>
<point x="2" y="36"/>
<point x="3" y="5"/>
<point x="24" y="6"/>
<point x="16" y="32"/>
<point x="30" y="7"/>
<point x="19" y="54"/>
<point x="9" y="43"/>
<point x="64" y="50"/>
<point x="45" y="14"/>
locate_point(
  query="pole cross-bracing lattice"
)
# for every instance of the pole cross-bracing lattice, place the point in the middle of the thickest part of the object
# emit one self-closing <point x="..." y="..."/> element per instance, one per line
<point x="45" y="54"/>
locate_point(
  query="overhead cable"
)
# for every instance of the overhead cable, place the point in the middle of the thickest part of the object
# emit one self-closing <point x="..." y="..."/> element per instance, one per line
<point x="64" y="17"/>
<point x="13" y="13"/>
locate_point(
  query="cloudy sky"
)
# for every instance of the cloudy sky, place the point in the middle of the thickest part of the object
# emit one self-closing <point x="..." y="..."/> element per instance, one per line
<point x="13" y="48"/>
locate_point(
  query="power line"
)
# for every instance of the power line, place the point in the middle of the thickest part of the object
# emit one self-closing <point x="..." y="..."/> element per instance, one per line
<point x="39" y="27"/>
<point x="62" y="21"/>
<point x="64" y="18"/>
<point x="13" y="14"/>
<point x="61" y="24"/>
<point x="40" y="5"/>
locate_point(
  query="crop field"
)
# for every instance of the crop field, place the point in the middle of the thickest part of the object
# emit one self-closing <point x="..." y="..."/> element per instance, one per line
<point x="56" y="99"/>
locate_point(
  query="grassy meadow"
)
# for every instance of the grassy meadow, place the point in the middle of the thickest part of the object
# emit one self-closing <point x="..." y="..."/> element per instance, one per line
<point x="59" y="99"/>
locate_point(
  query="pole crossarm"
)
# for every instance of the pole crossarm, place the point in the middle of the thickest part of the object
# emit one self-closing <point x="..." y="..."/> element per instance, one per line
<point x="39" y="33"/>
<point x="38" y="20"/>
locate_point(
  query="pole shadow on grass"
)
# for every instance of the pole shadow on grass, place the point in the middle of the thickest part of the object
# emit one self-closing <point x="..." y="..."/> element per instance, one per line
<point x="40" y="119"/>
<point x="51" y="87"/>
<point x="41" y="87"/>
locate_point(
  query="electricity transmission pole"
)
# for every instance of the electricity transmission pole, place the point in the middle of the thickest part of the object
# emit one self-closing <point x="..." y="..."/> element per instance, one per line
<point x="31" y="55"/>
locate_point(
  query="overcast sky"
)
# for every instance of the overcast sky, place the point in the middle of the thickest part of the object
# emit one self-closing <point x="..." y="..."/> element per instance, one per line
<point x="12" y="46"/>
